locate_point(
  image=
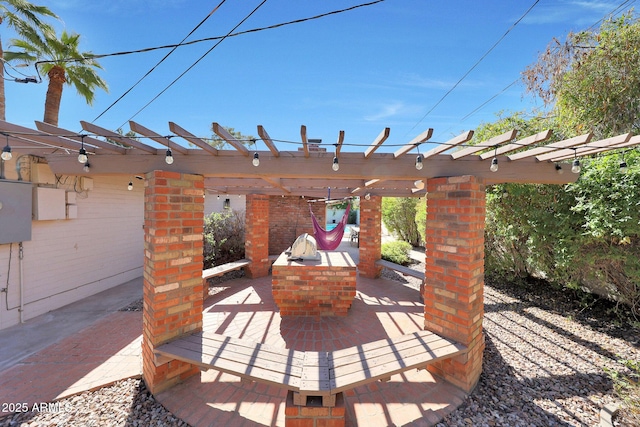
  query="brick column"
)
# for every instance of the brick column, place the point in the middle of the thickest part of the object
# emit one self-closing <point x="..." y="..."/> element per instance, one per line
<point x="256" y="242"/>
<point x="370" y="236"/>
<point x="454" y="276"/>
<point x="174" y="224"/>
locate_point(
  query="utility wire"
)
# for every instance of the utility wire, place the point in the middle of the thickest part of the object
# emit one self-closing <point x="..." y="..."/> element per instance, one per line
<point x="196" y="62"/>
<point x="474" y="65"/>
<point x="159" y="62"/>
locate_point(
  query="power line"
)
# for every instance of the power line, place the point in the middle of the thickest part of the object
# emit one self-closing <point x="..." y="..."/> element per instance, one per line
<point x="475" y="65"/>
<point x="196" y="62"/>
<point x="159" y="62"/>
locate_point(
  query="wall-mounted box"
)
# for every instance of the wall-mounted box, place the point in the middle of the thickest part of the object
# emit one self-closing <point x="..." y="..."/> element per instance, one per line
<point x="49" y="204"/>
<point x="41" y="174"/>
<point x="15" y="211"/>
<point x="86" y="183"/>
<point x="72" y="211"/>
<point x="71" y="197"/>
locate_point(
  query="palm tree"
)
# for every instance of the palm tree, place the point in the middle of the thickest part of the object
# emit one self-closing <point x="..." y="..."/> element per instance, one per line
<point x="62" y="62"/>
<point x="19" y="14"/>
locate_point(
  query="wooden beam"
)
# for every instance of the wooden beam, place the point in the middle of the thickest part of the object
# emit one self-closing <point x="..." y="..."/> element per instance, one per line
<point x="222" y="133"/>
<point x="188" y="136"/>
<point x="493" y="142"/>
<point x="571" y="142"/>
<point x="30" y="136"/>
<point x="539" y="137"/>
<point x="424" y="136"/>
<point x="276" y="183"/>
<point x="382" y="137"/>
<point x="130" y="142"/>
<point x="453" y="142"/>
<point x="267" y="140"/>
<point x="371" y="182"/>
<point x="583" y="150"/>
<point x="138" y="128"/>
<point x="46" y="127"/>
<point x="339" y="142"/>
<point x="305" y="142"/>
<point x="631" y="143"/>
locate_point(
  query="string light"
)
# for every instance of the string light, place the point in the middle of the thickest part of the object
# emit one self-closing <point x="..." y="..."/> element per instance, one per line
<point x="256" y="156"/>
<point x="86" y="167"/>
<point x="367" y="196"/>
<point x="559" y="169"/>
<point x="623" y="165"/>
<point x="130" y="186"/>
<point x="6" y="151"/>
<point x="82" y="153"/>
<point x="575" y="166"/>
<point x="494" y="162"/>
<point x="335" y="166"/>
<point x="169" y="155"/>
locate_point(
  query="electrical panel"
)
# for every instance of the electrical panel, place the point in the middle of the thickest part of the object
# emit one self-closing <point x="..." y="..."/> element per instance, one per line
<point x="15" y="211"/>
<point x="49" y="203"/>
<point x="41" y="174"/>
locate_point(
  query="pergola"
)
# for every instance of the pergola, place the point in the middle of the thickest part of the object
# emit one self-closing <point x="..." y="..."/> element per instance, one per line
<point x="453" y="177"/>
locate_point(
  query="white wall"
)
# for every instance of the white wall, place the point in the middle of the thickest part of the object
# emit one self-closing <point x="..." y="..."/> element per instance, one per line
<point x="215" y="203"/>
<point x="67" y="260"/>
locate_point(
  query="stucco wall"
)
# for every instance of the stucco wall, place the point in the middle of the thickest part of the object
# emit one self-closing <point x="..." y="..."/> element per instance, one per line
<point x="67" y="260"/>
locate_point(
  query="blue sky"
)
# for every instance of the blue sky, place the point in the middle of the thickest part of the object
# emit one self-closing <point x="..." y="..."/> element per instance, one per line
<point x="384" y="65"/>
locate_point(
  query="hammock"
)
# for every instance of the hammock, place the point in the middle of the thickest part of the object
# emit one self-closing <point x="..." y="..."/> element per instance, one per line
<point x="329" y="240"/>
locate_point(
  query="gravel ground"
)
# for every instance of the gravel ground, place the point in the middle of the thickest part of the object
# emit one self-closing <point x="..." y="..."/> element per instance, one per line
<point x="545" y="364"/>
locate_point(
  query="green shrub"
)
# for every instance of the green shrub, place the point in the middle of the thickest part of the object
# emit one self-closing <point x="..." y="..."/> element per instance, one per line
<point x="421" y="218"/>
<point x="399" y="216"/>
<point x="223" y="238"/>
<point x="396" y="252"/>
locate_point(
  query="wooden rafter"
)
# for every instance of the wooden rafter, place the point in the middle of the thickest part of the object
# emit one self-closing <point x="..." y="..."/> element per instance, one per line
<point x="491" y="143"/>
<point x="423" y="137"/>
<point x="130" y="142"/>
<point x="382" y="137"/>
<point x="46" y="127"/>
<point x="583" y="150"/>
<point x="267" y="140"/>
<point x="339" y="142"/>
<point x="633" y="141"/>
<point x="454" y="142"/>
<point x="230" y="139"/>
<point x="276" y="183"/>
<point x="28" y="135"/>
<point x="554" y="146"/>
<point x="524" y="142"/>
<point x="139" y="129"/>
<point x="305" y="141"/>
<point x="188" y="136"/>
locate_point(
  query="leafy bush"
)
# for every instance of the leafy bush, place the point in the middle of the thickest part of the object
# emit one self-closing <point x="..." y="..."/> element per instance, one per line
<point x="399" y="216"/>
<point x="421" y="218"/>
<point x="223" y="238"/>
<point x="627" y="388"/>
<point x="396" y="252"/>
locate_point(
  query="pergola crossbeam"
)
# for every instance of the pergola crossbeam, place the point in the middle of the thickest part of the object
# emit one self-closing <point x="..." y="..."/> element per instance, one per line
<point x="268" y="141"/>
<point x="554" y="146"/>
<point x="29" y="136"/>
<point x="382" y="137"/>
<point x="453" y="142"/>
<point x="130" y="142"/>
<point x="583" y="150"/>
<point x="339" y="142"/>
<point x="588" y="150"/>
<point x="188" y="136"/>
<point x="276" y="183"/>
<point x="524" y="142"/>
<point x="305" y="141"/>
<point x="491" y="143"/>
<point x="46" y="127"/>
<point x="139" y="129"/>
<point x="423" y="137"/>
<point x="230" y="139"/>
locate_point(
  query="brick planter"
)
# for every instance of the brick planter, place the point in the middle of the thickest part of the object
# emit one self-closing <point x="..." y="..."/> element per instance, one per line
<point x="313" y="414"/>
<point x="314" y="288"/>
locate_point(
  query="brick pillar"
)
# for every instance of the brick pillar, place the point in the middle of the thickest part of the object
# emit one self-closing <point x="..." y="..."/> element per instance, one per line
<point x="370" y="236"/>
<point x="454" y="273"/>
<point x="256" y="243"/>
<point x="174" y="224"/>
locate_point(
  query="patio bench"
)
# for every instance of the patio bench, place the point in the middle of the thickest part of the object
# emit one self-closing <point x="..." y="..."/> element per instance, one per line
<point x="219" y="270"/>
<point x="406" y="271"/>
<point x="310" y="373"/>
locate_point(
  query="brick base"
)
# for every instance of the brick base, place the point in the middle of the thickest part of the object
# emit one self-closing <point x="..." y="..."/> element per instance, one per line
<point x="314" y="414"/>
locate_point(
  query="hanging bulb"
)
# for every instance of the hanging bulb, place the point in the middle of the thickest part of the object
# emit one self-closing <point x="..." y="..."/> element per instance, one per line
<point x="494" y="165"/>
<point x="82" y="155"/>
<point x="559" y="169"/>
<point x="335" y="166"/>
<point x="6" y="152"/>
<point x="575" y="167"/>
<point x="86" y="167"/>
<point x="367" y="196"/>
<point x="419" y="162"/>
<point x="623" y="167"/>
<point x="256" y="159"/>
<point x="169" y="157"/>
<point x="130" y="186"/>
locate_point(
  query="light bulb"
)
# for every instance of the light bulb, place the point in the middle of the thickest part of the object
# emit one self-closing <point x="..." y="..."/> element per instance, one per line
<point x="6" y="153"/>
<point x="169" y="157"/>
<point x="419" y="184"/>
<point x="419" y="162"/>
<point x="86" y="167"/>
<point x="623" y="167"/>
<point x="494" y="165"/>
<point x="82" y="155"/>
<point x="335" y="166"/>
<point x="559" y="169"/>
<point x="367" y="196"/>
<point x="256" y="159"/>
<point x="130" y="186"/>
<point x="575" y="168"/>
